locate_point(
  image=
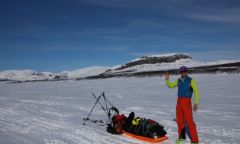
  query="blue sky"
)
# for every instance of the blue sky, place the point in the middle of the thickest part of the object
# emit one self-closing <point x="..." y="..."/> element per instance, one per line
<point x="57" y="35"/>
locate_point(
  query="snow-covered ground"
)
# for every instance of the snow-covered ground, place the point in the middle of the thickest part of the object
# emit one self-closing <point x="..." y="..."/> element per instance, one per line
<point x="52" y="112"/>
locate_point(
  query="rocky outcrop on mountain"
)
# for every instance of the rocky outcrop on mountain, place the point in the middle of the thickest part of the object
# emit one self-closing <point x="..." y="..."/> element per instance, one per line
<point x="154" y="60"/>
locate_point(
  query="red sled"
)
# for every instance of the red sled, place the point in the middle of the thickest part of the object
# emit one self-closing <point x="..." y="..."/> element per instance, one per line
<point x="145" y="139"/>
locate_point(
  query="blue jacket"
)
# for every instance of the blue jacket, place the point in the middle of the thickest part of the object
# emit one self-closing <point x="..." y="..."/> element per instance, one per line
<point x="184" y="87"/>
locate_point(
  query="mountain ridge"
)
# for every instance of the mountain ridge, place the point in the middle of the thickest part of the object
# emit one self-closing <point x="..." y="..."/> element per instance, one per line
<point x="142" y="66"/>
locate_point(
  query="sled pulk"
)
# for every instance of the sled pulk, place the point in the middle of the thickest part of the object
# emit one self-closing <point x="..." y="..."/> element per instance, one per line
<point x="135" y="127"/>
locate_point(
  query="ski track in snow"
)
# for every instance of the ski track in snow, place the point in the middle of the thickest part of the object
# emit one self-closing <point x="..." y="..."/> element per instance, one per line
<point x="52" y="112"/>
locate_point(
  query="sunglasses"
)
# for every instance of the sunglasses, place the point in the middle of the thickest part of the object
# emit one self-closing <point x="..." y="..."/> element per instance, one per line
<point x="183" y="71"/>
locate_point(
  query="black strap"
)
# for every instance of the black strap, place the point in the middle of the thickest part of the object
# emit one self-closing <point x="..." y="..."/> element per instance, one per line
<point x="112" y="109"/>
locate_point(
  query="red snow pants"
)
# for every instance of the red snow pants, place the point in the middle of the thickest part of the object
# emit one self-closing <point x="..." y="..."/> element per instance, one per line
<point x="184" y="114"/>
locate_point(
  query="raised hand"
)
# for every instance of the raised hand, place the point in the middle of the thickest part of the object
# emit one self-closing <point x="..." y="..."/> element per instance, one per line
<point x="166" y="75"/>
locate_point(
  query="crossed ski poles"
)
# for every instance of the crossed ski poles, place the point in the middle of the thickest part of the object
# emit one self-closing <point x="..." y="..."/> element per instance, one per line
<point x="105" y="109"/>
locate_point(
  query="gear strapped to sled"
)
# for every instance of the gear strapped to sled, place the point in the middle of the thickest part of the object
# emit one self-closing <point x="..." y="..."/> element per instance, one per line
<point x="136" y="126"/>
<point x="139" y="128"/>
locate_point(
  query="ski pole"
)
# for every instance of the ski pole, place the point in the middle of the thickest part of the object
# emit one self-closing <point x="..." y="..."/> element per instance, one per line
<point x="105" y="100"/>
<point x="100" y="103"/>
<point x="103" y="94"/>
<point x="93" y="107"/>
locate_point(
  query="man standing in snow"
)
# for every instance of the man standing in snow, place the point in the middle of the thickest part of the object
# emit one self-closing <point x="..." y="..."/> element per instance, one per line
<point x="186" y="86"/>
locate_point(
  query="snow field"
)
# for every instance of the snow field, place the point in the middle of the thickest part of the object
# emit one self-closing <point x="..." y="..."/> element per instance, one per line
<point x="52" y="112"/>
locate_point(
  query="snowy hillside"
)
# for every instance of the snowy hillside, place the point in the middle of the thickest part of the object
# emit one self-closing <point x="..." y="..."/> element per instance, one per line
<point x="25" y="75"/>
<point x="52" y="113"/>
<point x="29" y="75"/>
<point x="164" y="62"/>
<point x="86" y="72"/>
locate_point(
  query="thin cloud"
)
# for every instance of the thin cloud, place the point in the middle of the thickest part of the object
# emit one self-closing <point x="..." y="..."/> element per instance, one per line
<point x="73" y="47"/>
<point x="122" y="3"/>
<point x="226" y="18"/>
<point x="214" y="55"/>
<point x="145" y="22"/>
<point x="117" y="38"/>
<point x="138" y="3"/>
